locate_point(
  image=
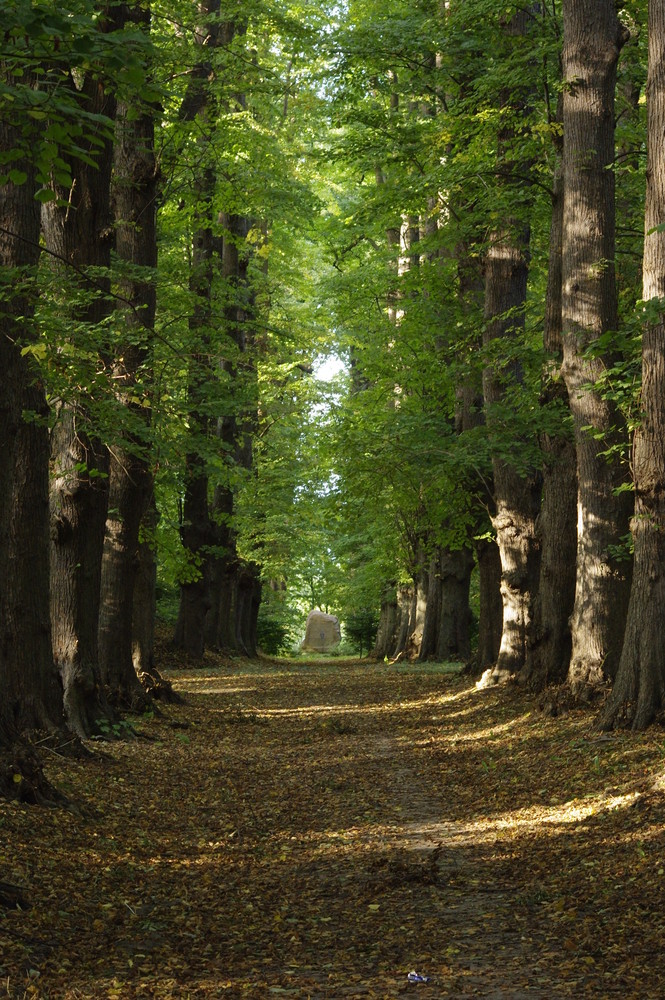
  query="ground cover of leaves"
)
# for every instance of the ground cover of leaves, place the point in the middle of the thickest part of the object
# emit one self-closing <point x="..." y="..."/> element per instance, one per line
<point x="320" y="830"/>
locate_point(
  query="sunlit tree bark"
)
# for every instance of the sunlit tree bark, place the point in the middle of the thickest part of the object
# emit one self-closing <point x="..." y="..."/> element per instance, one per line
<point x="638" y="695"/>
<point x="593" y="38"/>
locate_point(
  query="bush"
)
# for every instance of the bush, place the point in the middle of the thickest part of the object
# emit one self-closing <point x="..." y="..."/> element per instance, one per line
<point x="274" y="632"/>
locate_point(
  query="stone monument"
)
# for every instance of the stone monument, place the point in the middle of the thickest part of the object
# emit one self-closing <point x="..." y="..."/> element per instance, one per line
<point x="322" y="632"/>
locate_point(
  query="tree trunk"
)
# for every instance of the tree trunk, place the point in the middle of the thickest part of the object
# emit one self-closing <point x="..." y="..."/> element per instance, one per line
<point x="79" y="495"/>
<point x="130" y="479"/>
<point x="490" y="614"/>
<point x="198" y="531"/>
<point x="432" y="611"/>
<point x="638" y="696"/>
<point x="516" y="495"/>
<point x="418" y="610"/>
<point x="224" y="621"/>
<point x="78" y="232"/>
<point x="516" y="492"/>
<point x="548" y="654"/>
<point x="446" y="632"/>
<point x="247" y="609"/>
<point x="454" y="637"/>
<point x="31" y="693"/>
<point x="386" y="631"/>
<point x="145" y="590"/>
<point x="405" y="606"/>
<point x="590" y="54"/>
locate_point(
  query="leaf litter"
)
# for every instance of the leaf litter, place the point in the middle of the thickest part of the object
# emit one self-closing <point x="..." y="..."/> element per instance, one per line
<point x="323" y="830"/>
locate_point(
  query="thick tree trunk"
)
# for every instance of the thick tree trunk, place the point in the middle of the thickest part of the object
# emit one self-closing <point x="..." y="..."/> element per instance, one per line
<point x="405" y="613"/>
<point x="432" y="611"/>
<point x="220" y="625"/>
<point x="446" y="632"/>
<point x="419" y="608"/>
<point x="516" y="495"/>
<point x="516" y="492"/>
<point x="199" y="532"/>
<point x="31" y="693"/>
<point x="490" y="614"/>
<point x="247" y="609"/>
<point x="385" y="633"/>
<point x="454" y="636"/>
<point x="79" y="500"/>
<point x="130" y="479"/>
<point x="129" y="489"/>
<point x="548" y="654"/>
<point x="590" y="53"/>
<point x="638" y="696"/>
<point x="78" y="232"/>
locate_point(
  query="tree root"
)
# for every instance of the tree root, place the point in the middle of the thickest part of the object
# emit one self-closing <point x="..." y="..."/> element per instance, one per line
<point x="22" y="777"/>
<point x="157" y="686"/>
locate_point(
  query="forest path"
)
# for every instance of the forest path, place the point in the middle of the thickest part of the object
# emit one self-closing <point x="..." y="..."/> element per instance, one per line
<point x="321" y="830"/>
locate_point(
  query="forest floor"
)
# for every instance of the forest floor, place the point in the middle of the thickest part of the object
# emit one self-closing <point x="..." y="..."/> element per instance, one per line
<point x="322" y="830"/>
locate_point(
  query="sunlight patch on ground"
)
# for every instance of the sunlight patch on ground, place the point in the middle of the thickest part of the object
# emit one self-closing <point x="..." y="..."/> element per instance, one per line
<point x="531" y="818"/>
<point x="209" y="688"/>
<point x="303" y="711"/>
<point x="488" y="732"/>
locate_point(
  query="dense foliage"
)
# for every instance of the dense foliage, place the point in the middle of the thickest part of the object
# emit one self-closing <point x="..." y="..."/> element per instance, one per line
<point x="378" y="184"/>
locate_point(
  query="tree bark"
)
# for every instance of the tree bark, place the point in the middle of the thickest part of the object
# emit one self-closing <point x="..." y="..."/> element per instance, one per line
<point x="432" y="611"/>
<point x="385" y="633"/>
<point x="516" y="491"/>
<point x="590" y="53"/>
<point x="145" y="591"/>
<point x="130" y="479"/>
<point x="229" y="576"/>
<point x="548" y="653"/>
<point x="405" y="613"/>
<point x="638" y="696"/>
<point x="78" y="232"/>
<point x="490" y="614"/>
<point x="419" y="608"/>
<point x="198" y="531"/>
<point x="516" y="494"/>
<point x="454" y="636"/>
<point x="31" y="692"/>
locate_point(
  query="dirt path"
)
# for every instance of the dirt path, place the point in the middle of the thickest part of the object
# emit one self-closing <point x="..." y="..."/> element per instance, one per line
<point x="321" y="831"/>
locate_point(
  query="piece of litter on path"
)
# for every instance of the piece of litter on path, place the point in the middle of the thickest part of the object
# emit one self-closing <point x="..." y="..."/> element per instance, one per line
<point x="415" y="977"/>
